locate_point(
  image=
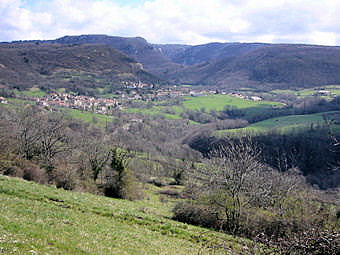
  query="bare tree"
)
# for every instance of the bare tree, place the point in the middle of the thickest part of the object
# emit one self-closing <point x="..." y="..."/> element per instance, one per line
<point x="28" y="126"/>
<point x="53" y="138"/>
<point x="94" y="152"/>
<point x="236" y="180"/>
<point x="40" y="135"/>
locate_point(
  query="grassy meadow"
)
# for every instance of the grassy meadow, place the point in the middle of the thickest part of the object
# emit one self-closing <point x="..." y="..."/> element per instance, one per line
<point x="38" y="219"/>
<point x="285" y="124"/>
<point x="209" y="103"/>
<point x="88" y="117"/>
<point x="333" y="89"/>
<point x="218" y="102"/>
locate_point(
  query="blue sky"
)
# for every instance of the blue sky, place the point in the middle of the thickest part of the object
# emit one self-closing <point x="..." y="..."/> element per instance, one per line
<point x="175" y="21"/>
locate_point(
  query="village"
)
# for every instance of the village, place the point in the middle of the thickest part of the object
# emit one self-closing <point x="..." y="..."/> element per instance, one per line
<point x="129" y="93"/>
<point x="124" y="97"/>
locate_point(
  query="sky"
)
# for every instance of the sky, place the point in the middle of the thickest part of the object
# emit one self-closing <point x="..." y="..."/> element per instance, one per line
<point x="175" y="21"/>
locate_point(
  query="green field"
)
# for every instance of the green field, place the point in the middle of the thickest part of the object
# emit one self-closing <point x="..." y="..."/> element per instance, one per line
<point x="208" y="103"/>
<point x="285" y="124"/>
<point x="89" y="117"/>
<point x="218" y="102"/>
<point x="155" y="110"/>
<point x="32" y="92"/>
<point x="37" y="219"/>
<point x="333" y="89"/>
<point x="17" y="101"/>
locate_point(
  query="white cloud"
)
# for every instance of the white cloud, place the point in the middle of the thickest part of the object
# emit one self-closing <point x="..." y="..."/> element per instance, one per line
<point x="176" y="21"/>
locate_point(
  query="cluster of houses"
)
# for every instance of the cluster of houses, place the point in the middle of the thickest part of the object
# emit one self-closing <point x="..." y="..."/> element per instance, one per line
<point x="86" y="103"/>
<point x="133" y="91"/>
<point x="104" y="105"/>
<point x="252" y="98"/>
<point x="177" y="91"/>
<point x="139" y="84"/>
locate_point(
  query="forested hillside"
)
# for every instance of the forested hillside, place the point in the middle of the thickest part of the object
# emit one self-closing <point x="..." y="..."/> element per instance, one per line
<point x="24" y="65"/>
<point x="228" y="65"/>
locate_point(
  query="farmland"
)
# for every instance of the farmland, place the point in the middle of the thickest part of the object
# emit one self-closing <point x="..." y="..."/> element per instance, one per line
<point x="326" y="92"/>
<point x="209" y="103"/>
<point x="285" y="124"/>
<point x="88" y="117"/>
<point x="218" y="102"/>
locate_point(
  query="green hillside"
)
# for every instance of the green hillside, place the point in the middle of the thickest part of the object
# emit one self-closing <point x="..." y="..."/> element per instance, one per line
<point x="285" y="124"/>
<point x="37" y="219"/>
<point x="329" y="91"/>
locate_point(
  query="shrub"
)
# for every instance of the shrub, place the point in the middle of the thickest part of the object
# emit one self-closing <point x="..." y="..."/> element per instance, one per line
<point x="64" y="176"/>
<point x="159" y="182"/>
<point x="8" y="167"/>
<point x="124" y="185"/>
<point x="270" y="226"/>
<point x="312" y="241"/>
<point x="18" y="167"/>
<point x="197" y="214"/>
<point x="121" y="181"/>
<point x="170" y="193"/>
<point x="179" y="176"/>
<point x="32" y="172"/>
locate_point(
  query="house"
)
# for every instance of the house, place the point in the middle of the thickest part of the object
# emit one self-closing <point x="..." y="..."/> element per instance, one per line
<point x="255" y="98"/>
<point x="322" y="93"/>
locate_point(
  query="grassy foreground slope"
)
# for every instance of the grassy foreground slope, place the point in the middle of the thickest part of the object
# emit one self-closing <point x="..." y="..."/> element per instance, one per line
<point x="286" y="123"/>
<point x="38" y="219"/>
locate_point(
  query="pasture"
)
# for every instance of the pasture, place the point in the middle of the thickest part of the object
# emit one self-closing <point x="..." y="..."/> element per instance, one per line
<point x="38" y="219"/>
<point x="207" y="104"/>
<point x="329" y="91"/>
<point x="88" y="117"/>
<point x="285" y="124"/>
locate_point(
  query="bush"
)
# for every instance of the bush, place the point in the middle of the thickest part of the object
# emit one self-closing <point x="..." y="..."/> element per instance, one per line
<point x="197" y="214"/>
<point x="170" y="193"/>
<point x="8" y="167"/>
<point x="312" y="241"/>
<point x="64" y="176"/>
<point x="123" y="186"/>
<point x="18" y="167"/>
<point x="159" y="182"/>
<point x="282" y="235"/>
<point x="32" y="172"/>
<point x="121" y="181"/>
<point x="269" y="226"/>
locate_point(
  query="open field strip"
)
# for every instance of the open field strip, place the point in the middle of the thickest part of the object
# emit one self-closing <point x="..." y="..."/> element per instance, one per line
<point x="285" y="124"/>
<point x="208" y="103"/>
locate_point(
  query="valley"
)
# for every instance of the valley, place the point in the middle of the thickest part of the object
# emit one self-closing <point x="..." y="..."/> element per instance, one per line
<point x="129" y="147"/>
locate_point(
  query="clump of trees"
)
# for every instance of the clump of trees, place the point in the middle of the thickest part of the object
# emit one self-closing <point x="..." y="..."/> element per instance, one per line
<point x="47" y="147"/>
<point x="239" y="194"/>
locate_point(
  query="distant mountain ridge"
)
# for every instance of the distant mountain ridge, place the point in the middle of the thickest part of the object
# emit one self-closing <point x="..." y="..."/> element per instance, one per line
<point x="57" y="65"/>
<point x="136" y="47"/>
<point x="212" y="51"/>
<point x="226" y="64"/>
<point x="269" y="66"/>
